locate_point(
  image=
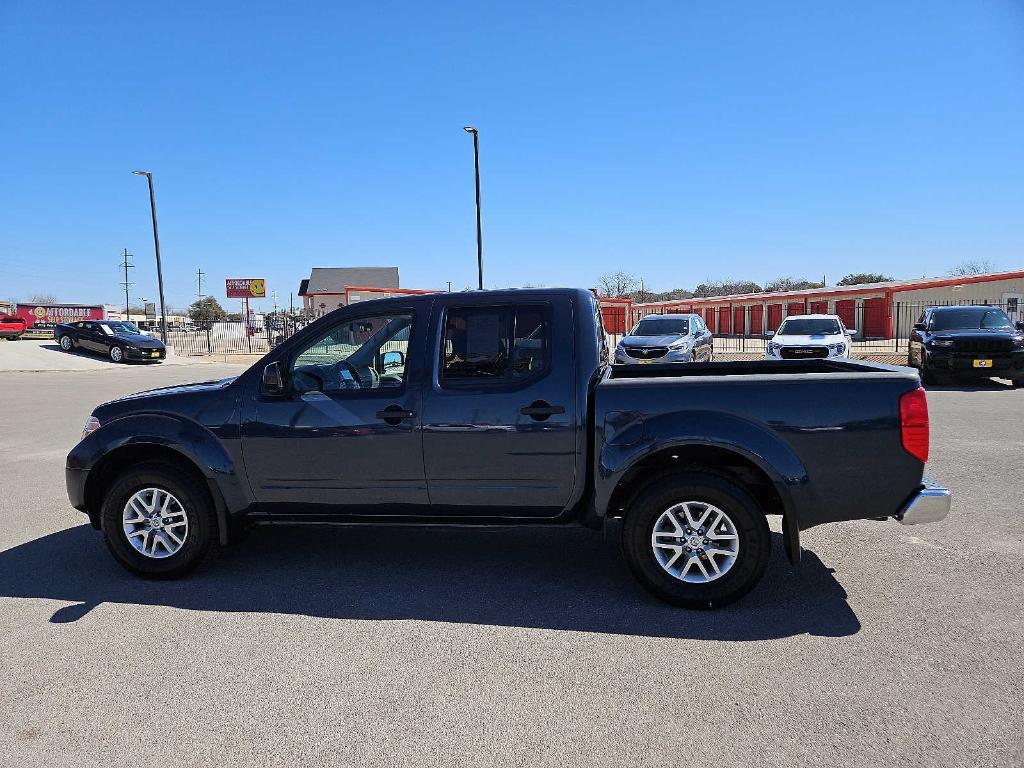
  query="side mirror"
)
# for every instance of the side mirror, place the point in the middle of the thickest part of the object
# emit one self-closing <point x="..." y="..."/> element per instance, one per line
<point x="273" y="381"/>
<point x="920" y="326"/>
<point x="392" y="359"/>
<point x="1019" y="325"/>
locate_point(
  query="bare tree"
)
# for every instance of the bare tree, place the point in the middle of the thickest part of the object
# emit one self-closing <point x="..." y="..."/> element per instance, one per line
<point x="617" y="284"/>
<point x="42" y="298"/>
<point x="973" y="267"/>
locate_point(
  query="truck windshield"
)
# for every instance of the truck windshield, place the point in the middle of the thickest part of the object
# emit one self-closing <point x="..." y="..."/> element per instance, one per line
<point x="662" y="326"/>
<point x="817" y="326"/>
<point x="968" y="319"/>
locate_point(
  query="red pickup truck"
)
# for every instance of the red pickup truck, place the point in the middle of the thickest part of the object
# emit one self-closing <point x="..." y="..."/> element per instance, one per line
<point x="11" y="327"/>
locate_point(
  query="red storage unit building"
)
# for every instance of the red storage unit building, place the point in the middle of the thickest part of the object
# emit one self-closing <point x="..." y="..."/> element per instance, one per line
<point x="882" y="310"/>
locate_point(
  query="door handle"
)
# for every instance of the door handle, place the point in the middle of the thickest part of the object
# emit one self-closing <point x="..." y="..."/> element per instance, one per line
<point x="540" y="410"/>
<point x="394" y="414"/>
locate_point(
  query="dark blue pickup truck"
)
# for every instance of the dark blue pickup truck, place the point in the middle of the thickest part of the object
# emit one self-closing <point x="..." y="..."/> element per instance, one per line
<point x="501" y="408"/>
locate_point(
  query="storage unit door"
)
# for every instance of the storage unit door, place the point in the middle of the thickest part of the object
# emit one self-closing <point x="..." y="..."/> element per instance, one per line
<point x="774" y="317"/>
<point x="876" y="320"/>
<point x="756" y="320"/>
<point x="739" y="325"/>
<point x="709" y="319"/>
<point x="724" y="321"/>
<point x="847" y="311"/>
<point x="819" y="307"/>
<point x="796" y="308"/>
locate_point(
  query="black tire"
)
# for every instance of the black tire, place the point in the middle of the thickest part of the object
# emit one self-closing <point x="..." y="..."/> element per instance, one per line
<point x="116" y="354"/>
<point x="66" y="343"/>
<point x="1018" y="383"/>
<point x="754" y="538"/>
<point x="194" y="499"/>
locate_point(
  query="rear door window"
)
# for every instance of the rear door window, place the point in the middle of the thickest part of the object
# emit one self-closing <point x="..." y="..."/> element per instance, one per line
<point x="502" y="345"/>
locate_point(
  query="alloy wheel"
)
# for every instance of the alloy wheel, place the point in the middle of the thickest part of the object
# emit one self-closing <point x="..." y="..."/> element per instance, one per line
<point x="155" y="523"/>
<point x="695" y="542"/>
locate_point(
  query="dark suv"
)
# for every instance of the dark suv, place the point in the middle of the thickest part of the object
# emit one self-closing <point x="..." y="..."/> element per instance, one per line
<point x="968" y="341"/>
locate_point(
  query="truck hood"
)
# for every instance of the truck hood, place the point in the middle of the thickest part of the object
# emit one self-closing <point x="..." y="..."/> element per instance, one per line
<point x="811" y="340"/>
<point x="178" y="389"/>
<point x="651" y="341"/>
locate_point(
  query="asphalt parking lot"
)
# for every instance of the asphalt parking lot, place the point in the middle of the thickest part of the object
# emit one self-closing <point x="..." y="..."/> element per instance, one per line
<point x="886" y="646"/>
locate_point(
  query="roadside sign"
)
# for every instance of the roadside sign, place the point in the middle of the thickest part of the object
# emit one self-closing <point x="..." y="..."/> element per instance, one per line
<point x="246" y="288"/>
<point x="150" y="310"/>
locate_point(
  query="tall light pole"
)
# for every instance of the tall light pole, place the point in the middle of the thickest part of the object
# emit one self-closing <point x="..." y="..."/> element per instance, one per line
<point x="156" y="243"/>
<point x="479" y="231"/>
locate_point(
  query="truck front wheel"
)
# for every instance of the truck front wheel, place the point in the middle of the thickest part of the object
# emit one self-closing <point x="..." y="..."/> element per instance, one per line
<point x="696" y="539"/>
<point x="157" y="521"/>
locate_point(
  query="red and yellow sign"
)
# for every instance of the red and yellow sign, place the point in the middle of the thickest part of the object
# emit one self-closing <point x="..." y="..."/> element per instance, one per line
<point x="246" y="288"/>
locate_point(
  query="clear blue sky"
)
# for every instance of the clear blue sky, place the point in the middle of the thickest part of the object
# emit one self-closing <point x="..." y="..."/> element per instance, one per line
<point x="678" y="140"/>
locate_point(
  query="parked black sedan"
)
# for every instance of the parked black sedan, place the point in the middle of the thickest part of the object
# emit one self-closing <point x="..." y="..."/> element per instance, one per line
<point x="120" y="341"/>
<point x="967" y="341"/>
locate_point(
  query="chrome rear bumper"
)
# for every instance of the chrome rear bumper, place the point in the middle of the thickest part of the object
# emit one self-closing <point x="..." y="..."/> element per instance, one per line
<point x="929" y="505"/>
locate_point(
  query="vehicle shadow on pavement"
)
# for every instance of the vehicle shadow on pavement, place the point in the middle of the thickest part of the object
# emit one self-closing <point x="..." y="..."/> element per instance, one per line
<point x="983" y="385"/>
<point x="544" y="578"/>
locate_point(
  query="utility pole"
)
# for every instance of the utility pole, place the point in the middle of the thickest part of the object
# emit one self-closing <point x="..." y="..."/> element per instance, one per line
<point x="127" y="285"/>
<point x="199" y="278"/>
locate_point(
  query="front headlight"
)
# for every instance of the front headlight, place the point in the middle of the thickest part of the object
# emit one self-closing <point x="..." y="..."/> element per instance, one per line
<point x="91" y="425"/>
<point x="676" y="346"/>
<point x="942" y="343"/>
<point x="1018" y="341"/>
<point x="773" y="347"/>
<point x="837" y="349"/>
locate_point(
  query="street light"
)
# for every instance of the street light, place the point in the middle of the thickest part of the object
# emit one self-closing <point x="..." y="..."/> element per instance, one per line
<point x="479" y="232"/>
<point x="156" y="243"/>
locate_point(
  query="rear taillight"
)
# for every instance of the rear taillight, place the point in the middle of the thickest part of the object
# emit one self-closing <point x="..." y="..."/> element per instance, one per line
<point x="914" y="423"/>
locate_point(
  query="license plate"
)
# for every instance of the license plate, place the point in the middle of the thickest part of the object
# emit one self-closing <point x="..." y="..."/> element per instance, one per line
<point x="982" y="363"/>
<point x="644" y="362"/>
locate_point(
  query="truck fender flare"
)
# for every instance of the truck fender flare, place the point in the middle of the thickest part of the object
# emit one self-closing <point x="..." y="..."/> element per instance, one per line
<point x="190" y="440"/>
<point x="753" y="442"/>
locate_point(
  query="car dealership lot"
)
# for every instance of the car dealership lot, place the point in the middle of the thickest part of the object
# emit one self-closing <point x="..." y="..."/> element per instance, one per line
<point x="887" y="645"/>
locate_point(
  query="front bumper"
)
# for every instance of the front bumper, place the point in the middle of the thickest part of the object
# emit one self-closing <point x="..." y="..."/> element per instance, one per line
<point x="145" y="354"/>
<point x="928" y="505"/>
<point x="672" y="356"/>
<point x="1009" y="365"/>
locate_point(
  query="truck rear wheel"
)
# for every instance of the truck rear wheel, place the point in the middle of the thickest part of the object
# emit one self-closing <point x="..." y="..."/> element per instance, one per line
<point x="157" y="521"/>
<point x="696" y="539"/>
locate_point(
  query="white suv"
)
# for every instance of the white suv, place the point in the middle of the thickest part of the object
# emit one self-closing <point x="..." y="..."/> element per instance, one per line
<point x="802" y="337"/>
